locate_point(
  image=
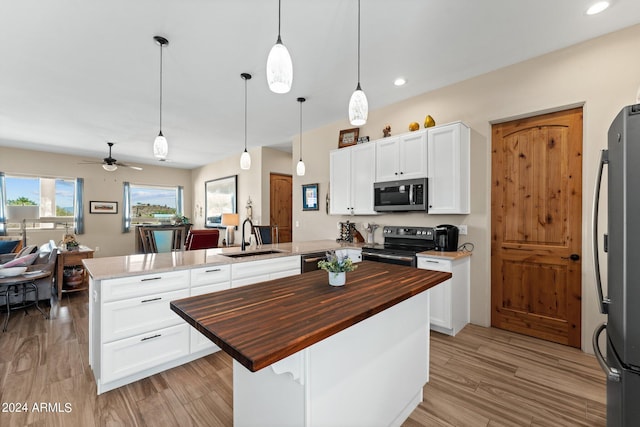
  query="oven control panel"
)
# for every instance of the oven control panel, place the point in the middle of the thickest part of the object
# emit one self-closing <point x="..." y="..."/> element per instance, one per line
<point x="422" y="233"/>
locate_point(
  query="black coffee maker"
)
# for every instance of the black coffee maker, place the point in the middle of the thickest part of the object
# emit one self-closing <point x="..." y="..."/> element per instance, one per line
<point x="446" y="238"/>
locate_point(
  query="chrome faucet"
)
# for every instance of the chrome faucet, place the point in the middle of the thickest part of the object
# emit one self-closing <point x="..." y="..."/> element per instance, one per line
<point x="243" y="246"/>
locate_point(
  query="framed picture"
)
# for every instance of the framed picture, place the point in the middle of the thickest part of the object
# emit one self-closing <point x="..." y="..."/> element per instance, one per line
<point x="348" y="137"/>
<point x="310" y="197"/>
<point x="363" y="139"/>
<point x="220" y="196"/>
<point x="103" y="207"/>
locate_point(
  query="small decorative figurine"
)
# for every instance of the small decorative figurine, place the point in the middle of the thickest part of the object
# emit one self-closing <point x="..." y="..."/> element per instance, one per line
<point x="386" y="131"/>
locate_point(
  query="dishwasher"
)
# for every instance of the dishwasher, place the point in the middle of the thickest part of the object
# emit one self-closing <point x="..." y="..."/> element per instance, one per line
<point x="309" y="262"/>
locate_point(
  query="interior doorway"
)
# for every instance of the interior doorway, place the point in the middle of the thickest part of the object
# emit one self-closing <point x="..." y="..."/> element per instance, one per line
<point x="536" y="225"/>
<point x="280" y="204"/>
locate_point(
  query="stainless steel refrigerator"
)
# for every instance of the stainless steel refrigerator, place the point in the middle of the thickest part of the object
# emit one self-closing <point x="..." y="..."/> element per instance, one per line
<point x="621" y="243"/>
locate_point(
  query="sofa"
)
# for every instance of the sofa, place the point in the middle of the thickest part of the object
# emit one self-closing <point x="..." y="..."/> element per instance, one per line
<point x="45" y="261"/>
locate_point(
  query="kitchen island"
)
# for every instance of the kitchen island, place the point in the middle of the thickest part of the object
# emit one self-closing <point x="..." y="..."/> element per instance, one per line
<point x="309" y="354"/>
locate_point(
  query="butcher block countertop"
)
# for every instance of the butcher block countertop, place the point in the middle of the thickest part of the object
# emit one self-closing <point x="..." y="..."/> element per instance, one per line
<point x="261" y="324"/>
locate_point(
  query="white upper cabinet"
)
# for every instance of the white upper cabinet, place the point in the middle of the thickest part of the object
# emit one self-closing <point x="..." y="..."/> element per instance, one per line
<point x="449" y="169"/>
<point x="402" y="157"/>
<point x="352" y="174"/>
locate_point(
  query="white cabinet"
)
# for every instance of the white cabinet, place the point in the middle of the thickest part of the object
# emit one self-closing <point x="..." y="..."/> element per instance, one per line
<point x="402" y="157"/>
<point x="352" y="174"/>
<point x="247" y="273"/>
<point x="205" y="280"/>
<point x="133" y="331"/>
<point x="450" y="299"/>
<point x="449" y="169"/>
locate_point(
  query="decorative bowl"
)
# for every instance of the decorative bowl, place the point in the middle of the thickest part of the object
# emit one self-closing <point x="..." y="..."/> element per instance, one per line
<point x="12" y="271"/>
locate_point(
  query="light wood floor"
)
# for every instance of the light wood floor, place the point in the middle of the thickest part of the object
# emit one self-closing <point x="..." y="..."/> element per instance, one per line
<point x="482" y="377"/>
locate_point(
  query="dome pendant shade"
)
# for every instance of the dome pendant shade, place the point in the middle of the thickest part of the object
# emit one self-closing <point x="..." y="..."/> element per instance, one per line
<point x="300" y="168"/>
<point x="279" y="68"/>
<point x="358" y="107"/>
<point x="160" y="147"/>
<point x="109" y="168"/>
<point x="245" y="160"/>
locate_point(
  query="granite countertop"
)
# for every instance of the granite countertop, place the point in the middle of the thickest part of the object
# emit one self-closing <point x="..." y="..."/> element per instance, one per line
<point x="131" y="265"/>
<point x="445" y="255"/>
<point x="261" y="324"/>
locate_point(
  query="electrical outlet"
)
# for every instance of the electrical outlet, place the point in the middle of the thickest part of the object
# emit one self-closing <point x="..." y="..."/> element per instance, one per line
<point x="462" y="229"/>
<point x="96" y="249"/>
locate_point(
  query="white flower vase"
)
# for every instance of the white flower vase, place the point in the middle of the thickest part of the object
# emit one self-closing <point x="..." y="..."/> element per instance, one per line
<point x="337" y="279"/>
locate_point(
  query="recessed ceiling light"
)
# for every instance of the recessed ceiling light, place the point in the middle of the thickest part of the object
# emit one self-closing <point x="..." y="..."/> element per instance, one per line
<point x="597" y="7"/>
<point x="400" y="81"/>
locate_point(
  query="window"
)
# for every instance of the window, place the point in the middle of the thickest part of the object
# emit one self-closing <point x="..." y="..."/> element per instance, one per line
<point x="151" y="204"/>
<point x="43" y="202"/>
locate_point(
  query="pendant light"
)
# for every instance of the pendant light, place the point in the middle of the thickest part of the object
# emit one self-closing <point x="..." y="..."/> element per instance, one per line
<point x="245" y="158"/>
<point x="358" y="105"/>
<point x="279" y="65"/>
<point x="300" y="169"/>
<point x="160" y="145"/>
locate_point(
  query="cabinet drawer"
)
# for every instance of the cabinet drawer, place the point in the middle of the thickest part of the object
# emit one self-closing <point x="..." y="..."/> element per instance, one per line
<point x="132" y="355"/>
<point x="210" y="275"/>
<point x="199" y="342"/>
<point x="75" y="259"/>
<point x="262" y="267"/>
<point x="148" y="284"/>
<point x="122" y="319"/>
<point x="435" y="264"/>
<point x="201" y="290"/>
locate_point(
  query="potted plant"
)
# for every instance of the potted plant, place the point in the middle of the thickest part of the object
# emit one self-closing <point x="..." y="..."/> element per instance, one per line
<point x="336" y="266"/>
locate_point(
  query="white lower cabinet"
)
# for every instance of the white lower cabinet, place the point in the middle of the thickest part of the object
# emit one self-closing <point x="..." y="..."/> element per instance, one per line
<point x="203" y="281"/>
<point x="129" y="356"/>
<point x="248" y="273"/>
<point x="450" y="304"/>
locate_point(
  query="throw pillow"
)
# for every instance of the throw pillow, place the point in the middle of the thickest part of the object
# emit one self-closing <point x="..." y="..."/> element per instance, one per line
<point x="23" y="261"/>
<point x="7" y="246"/>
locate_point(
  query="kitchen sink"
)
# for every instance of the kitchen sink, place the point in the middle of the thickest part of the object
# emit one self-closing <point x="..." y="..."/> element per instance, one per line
<point x="254" y="253"/>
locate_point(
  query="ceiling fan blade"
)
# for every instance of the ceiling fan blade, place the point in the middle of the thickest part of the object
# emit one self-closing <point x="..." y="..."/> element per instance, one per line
<point x="138" y="168"/>
<point x="89" y="162"/>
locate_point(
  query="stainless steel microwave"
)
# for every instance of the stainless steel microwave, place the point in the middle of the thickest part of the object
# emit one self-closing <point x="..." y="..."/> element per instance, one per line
<point x="400" y="196"/>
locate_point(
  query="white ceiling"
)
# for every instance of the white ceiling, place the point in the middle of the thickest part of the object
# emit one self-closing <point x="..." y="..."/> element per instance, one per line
<point x="77" y="73"/>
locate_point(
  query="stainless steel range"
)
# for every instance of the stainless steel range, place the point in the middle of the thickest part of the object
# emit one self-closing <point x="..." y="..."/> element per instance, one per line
<point x="401" y="244"/>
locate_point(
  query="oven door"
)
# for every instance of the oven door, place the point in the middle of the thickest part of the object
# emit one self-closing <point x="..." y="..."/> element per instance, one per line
<point x="389" y="258"/>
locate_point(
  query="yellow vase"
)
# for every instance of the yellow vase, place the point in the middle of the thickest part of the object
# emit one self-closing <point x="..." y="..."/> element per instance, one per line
<point x="428" y="122"/>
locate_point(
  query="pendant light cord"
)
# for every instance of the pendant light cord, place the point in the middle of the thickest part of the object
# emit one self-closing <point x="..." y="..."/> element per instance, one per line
<point x="245" y="114"/>
<point x="279" y="17"/>
<point x="358" y="44"/>
<point x="161" y="45"/>
<point x="301" y="101"/>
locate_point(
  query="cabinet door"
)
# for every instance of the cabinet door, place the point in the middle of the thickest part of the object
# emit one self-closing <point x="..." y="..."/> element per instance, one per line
<point x="440" y="305"/>
<point x="387" y="159"/>
<point x="413" y="155"/>
<point x="448" y="166"/>
<point x="363" y="175"/>
<point x="198" y="341"/>
<point x="340" y="179"/>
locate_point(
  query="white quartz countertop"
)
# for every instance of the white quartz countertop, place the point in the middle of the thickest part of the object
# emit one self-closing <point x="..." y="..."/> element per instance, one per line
<point x="131" y="265"/>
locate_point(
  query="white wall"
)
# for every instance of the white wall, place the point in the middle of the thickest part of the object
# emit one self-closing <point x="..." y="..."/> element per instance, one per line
<point x="601" y="74"/>
<point x="252" y="183"/>
<point x="101" y="230"/>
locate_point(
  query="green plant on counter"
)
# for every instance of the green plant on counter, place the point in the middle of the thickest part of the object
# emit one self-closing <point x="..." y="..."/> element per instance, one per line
<point x="336" y="264"/>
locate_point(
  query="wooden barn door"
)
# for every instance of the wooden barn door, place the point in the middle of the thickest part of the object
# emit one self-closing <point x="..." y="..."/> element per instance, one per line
<point x="536" y="221"/>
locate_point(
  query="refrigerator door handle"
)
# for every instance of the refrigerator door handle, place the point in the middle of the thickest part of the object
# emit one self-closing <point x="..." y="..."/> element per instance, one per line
<point x="603" y="302"/>
<point x="612" y="373"/>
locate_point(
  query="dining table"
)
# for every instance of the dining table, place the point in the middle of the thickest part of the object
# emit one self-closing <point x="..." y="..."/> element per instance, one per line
<point x="19" y="286"/>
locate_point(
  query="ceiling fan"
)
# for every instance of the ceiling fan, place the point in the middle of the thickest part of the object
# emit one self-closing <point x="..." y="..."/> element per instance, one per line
<point x="109" y="163"/>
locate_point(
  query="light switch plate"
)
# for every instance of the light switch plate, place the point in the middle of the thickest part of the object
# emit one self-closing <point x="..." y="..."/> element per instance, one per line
<point x="462" y="229"/>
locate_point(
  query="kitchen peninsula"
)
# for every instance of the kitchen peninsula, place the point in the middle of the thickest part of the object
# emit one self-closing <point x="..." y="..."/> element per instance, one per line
<point x="368" y="339"/>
